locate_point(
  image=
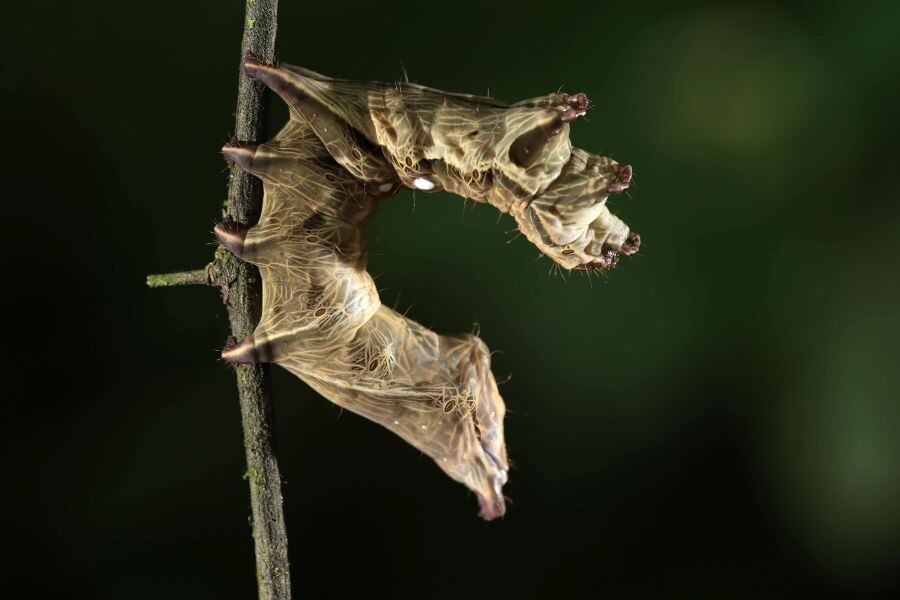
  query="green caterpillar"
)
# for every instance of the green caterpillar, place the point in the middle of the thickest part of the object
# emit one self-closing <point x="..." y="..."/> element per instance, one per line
<point x="349" y="145"/>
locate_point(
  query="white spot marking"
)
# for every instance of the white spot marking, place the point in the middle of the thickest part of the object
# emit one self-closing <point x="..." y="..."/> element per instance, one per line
<point x="423" y="184"/>
<point x="385" y="186"/>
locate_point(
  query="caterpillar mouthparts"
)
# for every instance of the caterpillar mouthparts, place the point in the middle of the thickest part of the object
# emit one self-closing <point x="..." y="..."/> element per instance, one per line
<point x="347" y="146"/>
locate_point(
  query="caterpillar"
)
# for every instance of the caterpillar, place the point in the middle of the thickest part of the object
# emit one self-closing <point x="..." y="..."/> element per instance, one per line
<point x="347" y="146"/>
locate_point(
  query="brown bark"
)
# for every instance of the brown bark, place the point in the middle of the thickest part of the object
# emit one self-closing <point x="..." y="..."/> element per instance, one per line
<point x="241" y="292"/>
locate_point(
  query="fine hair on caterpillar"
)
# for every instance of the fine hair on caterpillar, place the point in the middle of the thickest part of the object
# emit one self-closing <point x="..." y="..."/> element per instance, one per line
<point x="347" y="146"/>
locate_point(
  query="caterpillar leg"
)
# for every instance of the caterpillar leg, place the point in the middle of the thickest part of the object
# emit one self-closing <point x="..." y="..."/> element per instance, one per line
<point x="232" y="235"/>
<point x="347" y="146"/>
<point x="241" y="155"/>
<point x="247" y="351"/>
<point x="249" y="243"/>
<point x="621" y="179"/>
<point x="271" y="161"/>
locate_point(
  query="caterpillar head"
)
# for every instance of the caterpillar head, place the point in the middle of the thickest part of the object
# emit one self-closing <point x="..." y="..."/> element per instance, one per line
<point x="570" y="221"/>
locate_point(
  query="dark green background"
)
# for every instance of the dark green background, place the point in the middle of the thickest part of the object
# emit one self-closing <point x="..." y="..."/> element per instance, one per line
<point x="718" y="415"/>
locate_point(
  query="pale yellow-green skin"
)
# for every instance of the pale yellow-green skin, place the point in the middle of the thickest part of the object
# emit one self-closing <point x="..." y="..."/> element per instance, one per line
<point x="349" y="145"/>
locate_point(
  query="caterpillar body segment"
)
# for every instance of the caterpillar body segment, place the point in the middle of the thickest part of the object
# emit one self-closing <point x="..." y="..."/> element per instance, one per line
<point x="516" y="157"/>
<point x="436" y="392"/>
<point x="323" y="321"/>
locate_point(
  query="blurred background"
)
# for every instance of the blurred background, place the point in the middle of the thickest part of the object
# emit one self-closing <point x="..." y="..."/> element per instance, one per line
<point x="718" y="415"/>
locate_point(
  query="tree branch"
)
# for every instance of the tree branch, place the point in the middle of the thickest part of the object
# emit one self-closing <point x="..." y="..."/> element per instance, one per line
<point x="242" y="295"/>
<point x="198" y="277"/>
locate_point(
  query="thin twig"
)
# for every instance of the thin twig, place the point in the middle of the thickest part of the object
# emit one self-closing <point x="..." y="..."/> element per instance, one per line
<point x="242" y="294"/>
<point x="198" y="277"/>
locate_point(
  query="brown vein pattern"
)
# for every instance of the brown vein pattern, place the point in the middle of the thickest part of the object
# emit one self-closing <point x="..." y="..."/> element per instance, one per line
<point x="347" y="146"/>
